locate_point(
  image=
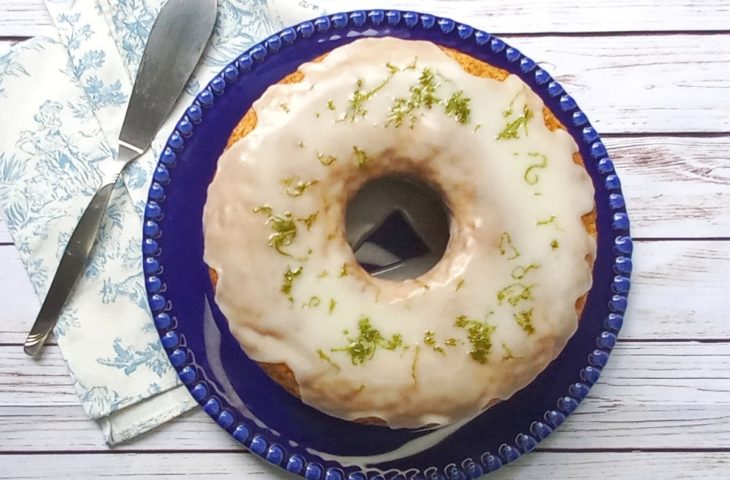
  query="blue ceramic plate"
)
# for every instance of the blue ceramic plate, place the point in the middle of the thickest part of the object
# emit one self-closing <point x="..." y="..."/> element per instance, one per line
<point x="259" y="413"/>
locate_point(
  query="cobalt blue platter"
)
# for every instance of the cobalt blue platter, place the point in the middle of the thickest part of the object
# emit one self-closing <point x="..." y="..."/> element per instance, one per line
<point x="260" y="414"/>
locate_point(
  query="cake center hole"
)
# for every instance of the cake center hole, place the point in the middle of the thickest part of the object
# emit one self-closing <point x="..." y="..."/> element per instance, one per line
<point x="398" y="227"/>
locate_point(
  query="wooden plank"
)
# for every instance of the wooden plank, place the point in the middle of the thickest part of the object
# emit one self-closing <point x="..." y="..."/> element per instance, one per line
<point x="597" y="424"/>
<point x="29" y="17"/>
<point x="641" y="372"/>
<point x="4" y="233"/>
<point x="656" y="94"/>
<point x="678" y="292"/>
<point x="18" y="302"/>
<point x="640" y="84"/>
<point x="233" y="465"/>
<point x="648" y="84"/>
<point x="662" y="387"/>
<point x="27" y="381"/>
<point x="527" y="16"/>
<point x="24" y="18"/>
<point x="65" y="427"/>
<point x="675" y="186"/>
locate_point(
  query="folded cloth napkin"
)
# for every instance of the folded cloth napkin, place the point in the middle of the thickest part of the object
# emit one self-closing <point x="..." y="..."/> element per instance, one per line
<point x="63" y="101"/>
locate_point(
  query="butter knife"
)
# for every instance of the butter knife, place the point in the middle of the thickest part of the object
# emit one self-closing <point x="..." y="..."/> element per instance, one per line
<point x="175" y="45"/>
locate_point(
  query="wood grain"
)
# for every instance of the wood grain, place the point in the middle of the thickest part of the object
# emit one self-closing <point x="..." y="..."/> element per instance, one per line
<point x="597" y="424"/>
<point x="642" y="373"/>
<point x="29" y="17"/>
<point x="663" y="387"/>
<point x="638" y="84"/>
<point x="630" y="84"/>
<point x="233" y="465"/>
<point x="678" y="292"/>
<point x="674" y="186"/>
<point x="24" y="18"/>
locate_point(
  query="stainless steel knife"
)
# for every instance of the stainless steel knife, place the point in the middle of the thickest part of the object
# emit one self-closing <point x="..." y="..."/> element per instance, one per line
<point x="175" y="45"/>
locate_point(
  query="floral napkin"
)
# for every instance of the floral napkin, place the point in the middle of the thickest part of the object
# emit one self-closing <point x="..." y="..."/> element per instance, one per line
<point x="63" y="101"/>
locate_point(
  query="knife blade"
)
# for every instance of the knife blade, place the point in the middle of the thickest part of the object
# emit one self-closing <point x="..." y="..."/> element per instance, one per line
<point x="175" y="45"/>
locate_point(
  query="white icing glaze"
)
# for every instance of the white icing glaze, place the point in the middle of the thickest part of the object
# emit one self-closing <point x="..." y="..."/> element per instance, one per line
<point x="487" y="184"/>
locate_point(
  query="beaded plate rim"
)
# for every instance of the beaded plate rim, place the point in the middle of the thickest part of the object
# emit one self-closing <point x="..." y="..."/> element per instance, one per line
<point x="254" y="438"/>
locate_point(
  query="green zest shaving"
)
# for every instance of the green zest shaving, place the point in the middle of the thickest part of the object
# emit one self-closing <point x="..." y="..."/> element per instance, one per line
<point x="479" y="335"/>
<point x="421" y="284"/>
<point x="429" y="338"/>
<point x="289" y="277"/>
<point x="357" y="103"/>
<point x="343" y="270"/>
<point x="313" y="302"/>
<point x="524" y="320"/>
<point x="458" y="106"/>
<point x="460" y="284"/>
<point x="424" y="92"/>
<point x="264" y="210"/>
<point x="326" y="160"/>
<point x="331" y="105"/>
<point x="283" y="226"/>
<point x="553" y="220"/>
<point x="509" y="355"/>
<point x="531" y="177"/>
<point x="422" y="95"/>
<point x="512" y="129"/>
<point x="356" y="108"/>
<point x="518" y="273"/>
<point x="327" y="359"/>
<point x="506" y="245"/>
<point x="309" y="221"/>
<point x="508" y="113"/>
<point x="296" y="187"/>
<point x="363" y="347"/>
<point x="515" y="293"/>
<point x="413" y="365"/>
<point x="392" y="68"/>
<point x="361" y="157"/>
<point x="554" y="245"/>
<point x="333" y="304"/>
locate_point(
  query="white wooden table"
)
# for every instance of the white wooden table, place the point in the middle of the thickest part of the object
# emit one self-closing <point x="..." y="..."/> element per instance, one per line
<point x="654" y="76"/>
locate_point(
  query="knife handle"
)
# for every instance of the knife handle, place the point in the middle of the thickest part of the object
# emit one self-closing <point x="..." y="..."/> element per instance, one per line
<point x="70" y="269"/>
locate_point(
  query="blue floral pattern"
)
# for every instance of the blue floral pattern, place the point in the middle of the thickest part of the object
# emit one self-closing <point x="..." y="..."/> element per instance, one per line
<point x="240" y="23"/>
<point x="58" y="139"/>
<point x="54" y="154"/>
<point x="129" y="359"/>
<point x="9" y="66"/>
<point x="133" y="21"/>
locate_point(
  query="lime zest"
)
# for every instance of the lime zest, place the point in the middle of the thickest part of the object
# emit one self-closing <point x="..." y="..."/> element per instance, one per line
<point x="479" y="335"/>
